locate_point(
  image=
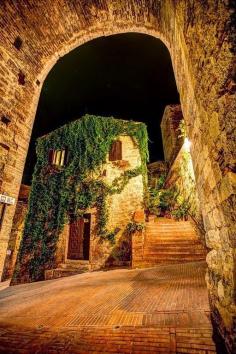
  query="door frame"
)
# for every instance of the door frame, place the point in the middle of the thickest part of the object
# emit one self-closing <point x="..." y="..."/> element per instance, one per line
<point x="92" y="229"/>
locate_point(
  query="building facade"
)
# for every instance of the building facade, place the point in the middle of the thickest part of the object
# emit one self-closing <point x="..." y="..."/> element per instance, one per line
<point x="79" y="209"/>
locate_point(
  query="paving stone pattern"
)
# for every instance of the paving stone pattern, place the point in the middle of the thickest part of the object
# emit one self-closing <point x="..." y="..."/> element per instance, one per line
<point x="157" y="310"/>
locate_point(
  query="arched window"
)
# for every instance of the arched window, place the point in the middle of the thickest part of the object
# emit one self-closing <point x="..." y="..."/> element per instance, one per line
<point x="115" y="151"/>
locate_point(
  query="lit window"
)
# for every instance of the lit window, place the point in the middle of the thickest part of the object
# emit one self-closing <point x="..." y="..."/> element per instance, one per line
<point x="58" y="157"/>
<point x="115" y="151"/>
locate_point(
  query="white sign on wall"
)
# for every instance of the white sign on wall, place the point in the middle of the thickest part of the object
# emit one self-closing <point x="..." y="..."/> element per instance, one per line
<point x="7" y="199"/>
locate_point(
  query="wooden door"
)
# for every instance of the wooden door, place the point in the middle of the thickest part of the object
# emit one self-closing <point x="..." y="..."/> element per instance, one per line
<point x="86" y="240"/>
<point x="75" y="245"/>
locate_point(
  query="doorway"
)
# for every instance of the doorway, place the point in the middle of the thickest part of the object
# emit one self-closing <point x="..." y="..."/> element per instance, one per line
<point x="79" y="238"/>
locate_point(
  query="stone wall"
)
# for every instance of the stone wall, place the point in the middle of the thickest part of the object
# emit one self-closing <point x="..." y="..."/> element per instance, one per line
<point x="181" y="175"/>
<point x="17" y="231"/>
<point x="155" y="171"/>
<point x="200" y="36"/>
<point x="177" y="152"/>
<point x="170" y="130"/>
<point x="121" y="208"/>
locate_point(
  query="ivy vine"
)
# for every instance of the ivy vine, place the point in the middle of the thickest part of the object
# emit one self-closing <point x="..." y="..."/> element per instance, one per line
<point x="57" y="193"/>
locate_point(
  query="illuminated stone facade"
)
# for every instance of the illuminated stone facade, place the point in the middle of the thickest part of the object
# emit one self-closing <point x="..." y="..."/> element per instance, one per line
<point x="121" y="209"/>
<point x="177" y="152"/>
<point x="200" y="36"/>
<point x="81" y="245"/>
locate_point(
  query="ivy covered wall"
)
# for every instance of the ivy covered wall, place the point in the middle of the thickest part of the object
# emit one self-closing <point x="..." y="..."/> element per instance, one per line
<point x="58" y="192"/>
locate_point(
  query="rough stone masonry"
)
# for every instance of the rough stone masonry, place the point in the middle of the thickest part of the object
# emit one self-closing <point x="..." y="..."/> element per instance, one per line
<point x="200" y="36"/>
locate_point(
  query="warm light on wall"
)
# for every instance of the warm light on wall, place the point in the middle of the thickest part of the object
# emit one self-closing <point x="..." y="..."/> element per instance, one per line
<point x="187" y="144"/>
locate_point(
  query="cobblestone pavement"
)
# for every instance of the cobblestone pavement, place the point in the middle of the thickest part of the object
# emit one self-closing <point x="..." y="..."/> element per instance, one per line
<point x="158" y="310"/>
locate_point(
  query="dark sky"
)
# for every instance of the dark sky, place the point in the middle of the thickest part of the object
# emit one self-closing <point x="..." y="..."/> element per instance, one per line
<point x="127" y="76"/>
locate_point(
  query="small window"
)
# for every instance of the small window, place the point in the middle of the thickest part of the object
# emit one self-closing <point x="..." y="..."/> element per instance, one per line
<point x="58" y="157"/>
<point x="21" y="78"/>
<point x="115" y="151"/>
<point x="18" y="43"/>
<point x="6" y="120"/>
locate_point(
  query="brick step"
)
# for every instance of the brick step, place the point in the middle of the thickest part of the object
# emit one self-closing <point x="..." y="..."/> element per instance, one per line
<point x="174" y="229"/>
<point x="175" y="233"/>
<point x="163" y="243"/>
<point x="171" y="245"/>
<point x="163" y="255"/>
<point x="180" y="224"/>
<point x="173" y="250"/>
<point x="168" y="260"/>
<point x="171" y="240"/>
<point x="169" y="227"/>
<point x="169" y="221"/>
<point x="171" y="237"/>
<point x="150" y="264"/>
<point x="184" y="240"/>
<point x="171" y="234"/>
<point x="62" y="272"/>
<point x="75" y="265"/>
<point x="168" y="241"/>
<point x="177" y="226"/>
<point x="76" y="261"/>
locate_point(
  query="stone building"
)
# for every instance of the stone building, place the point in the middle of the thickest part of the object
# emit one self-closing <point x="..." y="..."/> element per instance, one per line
<point x="100" y="204"/>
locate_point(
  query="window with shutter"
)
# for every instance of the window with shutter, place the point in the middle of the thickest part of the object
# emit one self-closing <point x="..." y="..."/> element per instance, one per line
<point x="58" y="157"/>
<point x="50" y="156"/>
<point x="115" y="151"/>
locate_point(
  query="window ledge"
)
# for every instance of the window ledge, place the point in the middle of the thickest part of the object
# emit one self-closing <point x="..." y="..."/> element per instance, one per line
<point x="121" y="164"/>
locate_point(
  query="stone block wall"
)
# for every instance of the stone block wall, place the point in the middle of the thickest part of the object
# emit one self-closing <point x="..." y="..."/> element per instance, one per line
<point x="123" y="206"/>
<point x="200" y="36"/>
<point x="181" y="175"/>
<point x="171" y="135"/>
<point x="156" y="170"/>
<point x="121" y="210"/>
<point x="17" y="231"/>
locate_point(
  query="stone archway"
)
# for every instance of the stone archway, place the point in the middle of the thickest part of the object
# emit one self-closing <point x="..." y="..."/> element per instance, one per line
<point x="198" y="37"/>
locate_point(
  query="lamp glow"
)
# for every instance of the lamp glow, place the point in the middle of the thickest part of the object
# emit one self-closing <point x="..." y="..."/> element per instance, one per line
<point x="187" y="144"/>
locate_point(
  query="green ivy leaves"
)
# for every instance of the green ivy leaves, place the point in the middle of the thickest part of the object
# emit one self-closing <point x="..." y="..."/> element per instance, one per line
<point x="58" y="193"/>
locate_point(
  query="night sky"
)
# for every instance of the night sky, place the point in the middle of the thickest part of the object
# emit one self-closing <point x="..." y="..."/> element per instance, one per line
<point x="126" y="76"/>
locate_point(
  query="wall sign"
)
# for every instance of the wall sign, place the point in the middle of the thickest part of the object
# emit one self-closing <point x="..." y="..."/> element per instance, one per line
<point x="7" y="199"/>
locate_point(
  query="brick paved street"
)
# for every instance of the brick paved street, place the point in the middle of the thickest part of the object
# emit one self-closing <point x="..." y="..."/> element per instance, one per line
<point x="158" y="310"/>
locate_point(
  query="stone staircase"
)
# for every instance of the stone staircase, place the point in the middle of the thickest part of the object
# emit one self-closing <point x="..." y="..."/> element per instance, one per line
<point x="166" y="241"/>
<point x="70" y="267"/>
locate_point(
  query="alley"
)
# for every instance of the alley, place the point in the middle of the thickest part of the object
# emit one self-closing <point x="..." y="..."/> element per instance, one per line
<point x="158" y="310"/>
